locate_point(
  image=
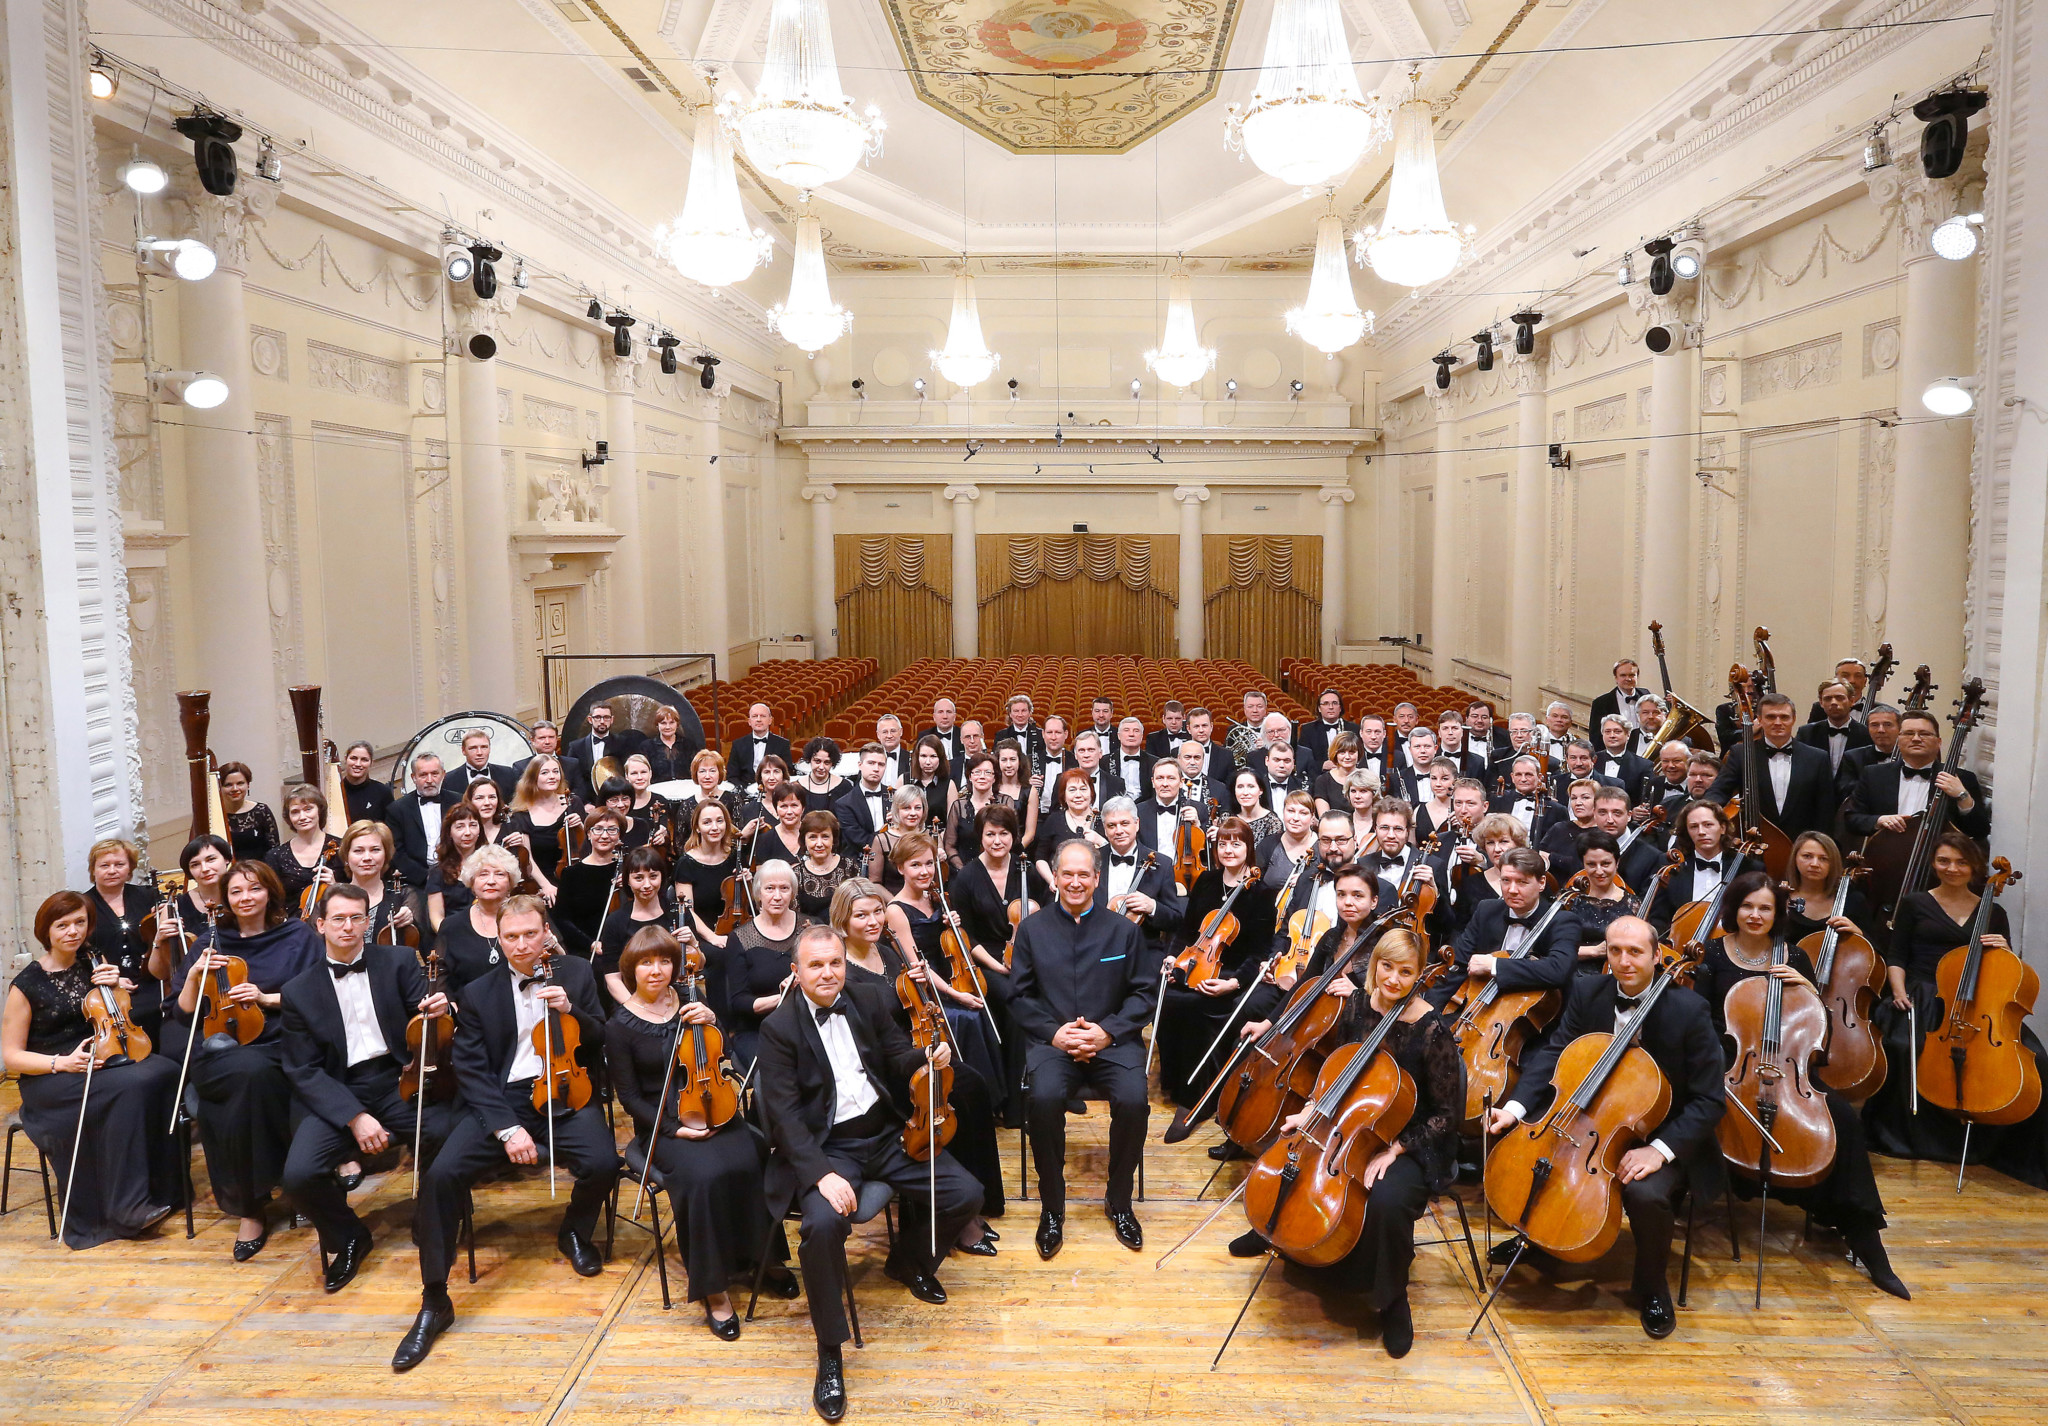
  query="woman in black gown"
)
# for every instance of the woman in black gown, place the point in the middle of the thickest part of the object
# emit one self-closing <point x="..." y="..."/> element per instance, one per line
<point x="982" y="894"/>
<point x="781" y="840"/>
<point x="1752" y="921"/>
<point x="1927" y="926"/>
<point x="1191" y="1015"/>
<point x="542" y="821"/>
<point x="252" y="826"/>
<point x="908" y="812"/>
<point x="1602" y="900"/>
<point x="645" y="902"/>
<point x="244" y="1098"/>
<point x="758" y="961"/>
<point x="462" y="832"/>
<point x="121" y="928"/>
<point x="128" y="1175"/>
<point x="308" y="850"/>
<point x="469" y="937"/>
<point x="932" y="775"/>
<point x="586" y="893"/>
<point x="713" y="1176"/>
<point x="364" y="857"/>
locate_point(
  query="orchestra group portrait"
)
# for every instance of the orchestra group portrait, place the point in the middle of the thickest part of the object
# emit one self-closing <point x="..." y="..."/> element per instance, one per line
<point x="1576" y="970"/>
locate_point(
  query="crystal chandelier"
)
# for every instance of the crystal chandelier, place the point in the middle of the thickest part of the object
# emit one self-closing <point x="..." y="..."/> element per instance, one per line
<point x="1415" y="243"/>
<point x="966" y="361"/>
<point x="1307" y="123"/>
<point x="809" y="319"/>
<point x="711" y="243"/>
<point x="1329" y="320"/>
<point x="800" y="126"/>
<point x="1181" y="359"/>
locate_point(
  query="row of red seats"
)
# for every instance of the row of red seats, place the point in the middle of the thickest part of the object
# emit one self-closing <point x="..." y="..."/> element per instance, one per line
<point x="801" y="693"/>
<point x="1373" y="688"/>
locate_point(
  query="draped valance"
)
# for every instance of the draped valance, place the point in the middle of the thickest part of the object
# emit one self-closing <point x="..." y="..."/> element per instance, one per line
<point x="1130" y="560"/>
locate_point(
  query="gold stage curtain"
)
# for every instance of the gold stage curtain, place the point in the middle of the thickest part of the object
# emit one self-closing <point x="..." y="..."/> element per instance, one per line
<point x="1086" y="595"/>
<point x="1265" y="600"/>
<point x="895" y="597"/>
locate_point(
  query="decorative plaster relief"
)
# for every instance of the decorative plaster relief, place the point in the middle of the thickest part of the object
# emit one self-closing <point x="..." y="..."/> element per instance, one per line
<point x="1642" y="405"/>
<point x="268" y="355"/>
<point x="1714" y="388"/>
<point x="433" y="389"/>
<point x="1880" y="346"/>
<point x="554" y="417"/>
<point x="504" y="407"/>
<point x="1801" y="368"/>
<point x="655" y="441"/>
<point x="1598" y="418"/>
<point x="331" y="368"/>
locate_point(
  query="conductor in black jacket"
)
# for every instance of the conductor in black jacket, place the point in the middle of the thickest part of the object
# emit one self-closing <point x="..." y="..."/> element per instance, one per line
<point x="835" y="1072"/>
<point x="497" y="1065"/>
<point x="1807" y="801"/>
<point x="1081" y="997"/>
<point x="1679" y="1036"/>
<point x="344" y="1048"/>
<point x="1492" y="943"/>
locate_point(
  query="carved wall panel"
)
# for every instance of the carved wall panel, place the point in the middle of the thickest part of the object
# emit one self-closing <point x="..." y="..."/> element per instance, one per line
<point x="1789" y="369"/>
<point x="557" y="418"/>
<point x="1880" y="346"/>
<point x="332" y="368"/>
<point x="442" y="557"/>
<point x="279" y="490"/>
<point x="1599" y="418"/>
<point x="268" y="354"/>
<point x="1876" y="465"/>
<point x="142" y="479"/>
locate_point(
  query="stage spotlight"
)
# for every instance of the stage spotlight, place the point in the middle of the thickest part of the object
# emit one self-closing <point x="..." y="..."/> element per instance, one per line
<point x="185" y="258"/>
<point x="1444" y="362"/>
<point x="213" y="150"/>
<point x="457" y="263"/>
<point x="1483" y="358"/>
<point x="1948" y="129"/>
<point x="484" y="280"/>
<point x="596" y="312"/>
<point x="201" y="390"/>
<point x="1689" y="256"/>
<point x="1662" y="278"/>
<point x="102" y="79"/>
<point x="142" y="175"/>
<point x="1670" y="337"/>
<point x="1951" y="396"/>
<point x="709" y="379"/>
<point x="1877" y="149"/>
<point x="1525" y="332"/>
<point x="1955" y="238"/>
<point x="1626" y="273"/>
<point x="667" y="345"/>
<point x="622" y="336"/>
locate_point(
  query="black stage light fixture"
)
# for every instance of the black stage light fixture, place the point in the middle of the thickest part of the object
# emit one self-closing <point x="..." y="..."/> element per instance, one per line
<point x="1483" y="358"/>
<point x="483" y="346"/>
<point x="1525" y="332"/>
<point x="213" y="150"/>
<point x="1444" y="362"/>
<point x="668" y="344"/>
<point x="622" y="337"/>
<point x="483" y="277"/>
<point x="596" y="312"/>
<point x="1662" y="277"/>
<point x="709" y="377"/>
<point x="1948" y="129"/>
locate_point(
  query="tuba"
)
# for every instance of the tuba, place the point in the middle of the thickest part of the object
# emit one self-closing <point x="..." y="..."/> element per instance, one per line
<point x="1679" y="725"/>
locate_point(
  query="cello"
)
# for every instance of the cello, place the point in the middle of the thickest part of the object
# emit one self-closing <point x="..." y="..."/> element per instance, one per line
<point x="1975" y="1066"/>
<point x="1850" y="973"/>
<point x="1781" y="1131"/>
<point x="1745" y="689"/>
<point x="1880" y="674"/>
<point x="1491" y="1025"/>
<point x="1903" y="862"/>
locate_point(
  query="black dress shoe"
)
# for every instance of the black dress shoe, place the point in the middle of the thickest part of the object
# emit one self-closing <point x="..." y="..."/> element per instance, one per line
<point x="1224" y="1152"/>
<point x="1869" y="1250"/>
<point x="1249" y="1245"/>
<point x="1397" y="1328"/>
<point x="923" y="1286"/>
<point x="1659" y="1317"/>
<point x="349" y="1182"/>
<point x="781" y="1282"/>
<point x="725" y="1329"/>
<point x="344" y="1265"/>
<point x="581" y="1255"/>
<point x="1052" y="1231"/>
<point x="1503" y="1252"/>
<point x="419" y="1338"/>
<point x="1128" y="1232"/>
<point x="991" y="1234"/>
<point x="246" y="1249"/>
<point x="828" y="1392"/>
<point x="981" y="1248"/>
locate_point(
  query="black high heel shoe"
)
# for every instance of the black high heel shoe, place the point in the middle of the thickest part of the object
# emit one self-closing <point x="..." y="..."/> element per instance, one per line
<point x="724" y="1329"/>
<point x="246" y="1249"/>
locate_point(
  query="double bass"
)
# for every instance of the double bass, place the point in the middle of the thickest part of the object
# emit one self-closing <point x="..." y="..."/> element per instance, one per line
<point x="1902" y="862"/>
<point x="1974" y="1065"/>
<point x="1746" y="690"/>
<point x="1850" y="974"/>
<point x="1492" y="1025"/>
<point x="1780" y="1130"/>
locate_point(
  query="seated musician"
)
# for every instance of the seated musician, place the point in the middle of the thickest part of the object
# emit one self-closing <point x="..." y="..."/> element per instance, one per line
<point x="497" y="1064"/>
<point x="1666" y="782"/>
<point x="1560" y="840"/>
<point x="1887" y="793"/>
<point x="1753" y="918"/>
<point x="364" y="860"/>
<point x="1082" y="997"/>
<point x="1679" y="1036"/>
<point x="344" y="1048"/>
<point x="1603" y="898"/>
<point x="1640" y="860"/>
<point x="1703" y="832"/>
<point x="1192" y="1013"/>
<point x="1527" y="795"/>
<point x="712" y="1175"/>
<point x="834" y="1095"/>
<point x="1491" y="945"/>
<point x="121" y="927"/>
<point x="1615" y="760"/>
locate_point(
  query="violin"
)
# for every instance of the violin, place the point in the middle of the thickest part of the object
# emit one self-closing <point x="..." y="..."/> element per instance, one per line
<point x="738" y="894"/>
<point x="1780" y="1130"/>
<point x="558" y="1039"/>
<point x="1190" y="850"/>
<point x="1555" y="1178"/>
<point x="932" y="1121"/>
<point x="114" y="1031"/>
<point x="1492" y="1026"/>
<point x="966" y="975"/>
<point x="309" y="899"/>
<point x="1306" y="1194"/>
<point x="1203" y="960"/>
<point x="1018" y="909"/>
<point x="1974" y="1066"/>
<point x="1137" y="918"/>
<point x="1850" y="973"/>
<point x="707" y="1096"/>
<point x="427" y="1041"/>
<point x="1422" y="897"/>
<point x="1303" y="931"/>
<point x="573" y="840"/>
<point x="220" y="1015"/>
<point x="388" y="934"/>
<point x="1745" y="689"/>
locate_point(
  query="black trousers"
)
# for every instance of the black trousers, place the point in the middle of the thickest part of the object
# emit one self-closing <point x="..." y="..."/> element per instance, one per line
<point x="318" y="1146"/>
<point x="1378" y="1266"/>
<point x="245" y="1112"/>
<point x="1847" y="1199"/>
<point x="583" y="1146"/>
<point x="1652" y="1207"/>
<point x="821" y="1251"/>
<point x="1055" y="1077"/>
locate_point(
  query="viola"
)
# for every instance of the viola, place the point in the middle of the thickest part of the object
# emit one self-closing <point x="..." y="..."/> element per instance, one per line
<point x="1974" y="1065"/>
<point x="1555" y="1177"/>
<point x="114" y="1031"/>
<point x="309" y="899"/>
<point x="1422" y="895"/>
<point x="1203" y="960"/>
<point x="1492" y="1026"/>
<point x="932" y="1120"/>
<point x="966" y="973"/>
<point x="738" y="894"/>
<point x="558" y="1039"/>
<point x="707" y="1095"/>
<point x="1190" y="850"/>
<point x="426" y="1043"/>
<point x="1850" y="974"/>
<point x="1778" y="1128"/>
<point x="1018" y="909"/>
<point x="390" y="935"/>
<point x="1303" y="930"/>
<point x="218" y="1014"/>
<point x="573" y="840"/>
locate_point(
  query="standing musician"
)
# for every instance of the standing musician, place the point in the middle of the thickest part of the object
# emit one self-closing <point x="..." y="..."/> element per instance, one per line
<point x="497" y="1065"/>
<point x="1798" y="792"/>
<point x="415" y="819"/>
<point x="547" y="742"/>
<point x="600" y="741"/>
<point x="1083" y="998"/>
<point x="1837" y="732"/>
<point x="945" y="728"/>
<point x="898" y="759"/>
<point x="1328" y="788"/>
<point x="1703" y="834"/>
<point x="345" y="1022"/>
<point x="1526" y="794"/>
<point x="1679" y="1036"/>
<point x="863" y="807"/>
<point x="1753" y="919"/>
<point x="366" y="799"/>
<point x="1452" y="745"/>
<point x="1887" y="793"/>
<point x="1030" y="741"/>
<point x="1650" y="711"/>
<point x="1883" y="727"/>
<point x="543" y="819"/>
<point x="1330" y="724"/>
<point x="670" y="750"/>
<point x="252" y="827"/>
<point x="931" y="777"/>
<point x="1854" y="675"/>
<point x="476" y="766"/>
<point x="1191" y="1012"/>
<point x="1666" y="781"/>
<point x="834" y="1094"/>
<point x="1218" y="759"/>
<point x="108" y="1139"/>
<point x="1619" y="701"/>
<point x="751" y="749"/>
<point x="1166" y="741"/>
<point x="119" y="909"/>
<point x="1057" y="758"/>
<point x="1488" y="946"/>
<point x="309" y="850"/>
<point x="1132" y="880"/>
<point x="1615" y="760"/>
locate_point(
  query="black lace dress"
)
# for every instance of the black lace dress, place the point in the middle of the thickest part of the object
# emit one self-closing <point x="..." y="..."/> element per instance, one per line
<point x="128" y="1173"/>
<point x="814" y="889"/>
<point x="252" y="832"/>
<point x="296" y="876"/>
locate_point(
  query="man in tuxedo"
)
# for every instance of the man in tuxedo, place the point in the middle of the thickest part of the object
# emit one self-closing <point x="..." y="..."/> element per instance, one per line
<point x="1201" y="728"/>
<point x="1330" y="723"/>
<point x="1496" y="945"/>
<point x="476" y="765"/>
<point x="1411" y="766"/>
<point x="972" y="741"/>
<point x="1276" y="732"/>
<point x="1667" y="780"/>
<point x="1131" y="877"/>
<point x="1453" y="744"/>
<point x="1088" y="758"/>
<point x="1161" y="814"/>
<point x="547" y="739"/>
<point x="1102" y="720"/>
<point x="1615" y="762"/>
<point x="1526" y="794"/>
<point x="898" y="761"/>
<point x="1277" y="770"/>
<point x="835" y="1094"/>
<point x="1650" y="711"/>
<point x="368" y="799"/>
<point x="1640" y="860"/>
<point x="415" y="820"/>
<point x="1620" y="700"/>
<point x="1372" y="739"/>
<point x="1406" y="716"/>
<point x="1888" y="793"/>
<point x="1030" y="741"/>
<point x="1081" y="997"/>
<point x="1167" y="740"/>
<point x="1392" y="855"/>
<point x="1482" y="732"/>
<point x="743" y="760"/>
<point x="1522" y="742"/>
<point x="1556" y="731"/>
<point x="946" y="728"/>
<point x="1796" y="784"/>
<point x="1129" y="762"/>
<point x="1679" y="1035"/>
<point x="1702" y="833"/>
<point x="1058" y="758"/>
<point x="863" y="808"/>
<point x="1882" y="723"/>
<point x="1854" y="675"/>
<point x="1197" y="786"/>
<point x="344" y="1049"/>
<point x="497" y="1066"/>
<point x="1578" y="765"/>
<point x="1836" y="731"/>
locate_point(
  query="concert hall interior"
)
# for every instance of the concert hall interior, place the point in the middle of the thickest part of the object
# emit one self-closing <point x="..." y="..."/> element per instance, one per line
<point x="664" y="662"/>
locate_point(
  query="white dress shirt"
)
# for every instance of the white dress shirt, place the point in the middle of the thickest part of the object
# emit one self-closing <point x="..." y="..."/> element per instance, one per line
<point x="1168" y="828"/>
<point x="1914" y="792"/>
<point x="1838" y="743"/>
<point x="1622" y="1015"/>
<point x="1130" y="767"/>
<point x="1524" y="811"/>
<point x="852" y="1092"/>
<point x="529" y="1012"/>
<point x="1121" y="877"/>
<point x="1779" y="762"/>
<point x="430" y="818"/>
<point x="1626" y="711"/>
<point x="1706" y="880"/>
<point x="358" y="1016"/>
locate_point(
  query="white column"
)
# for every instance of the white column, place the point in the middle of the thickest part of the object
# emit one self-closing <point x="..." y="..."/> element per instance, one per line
<point x="1922" y="611"/>
<point x="230" y="580"/>
<point x="707" y="547"/>
<point x="1335" y="554"/>
<point x="621" y="472"/>
<point x="1188" y="632"/>
<point x="1527" y="631"/>
<point x="1667" y="524"/>
<point x="824" y="604"/>
<point x="486" y="515"/>
<point x="966" y="602"/>
<point x="1446" y="571"/>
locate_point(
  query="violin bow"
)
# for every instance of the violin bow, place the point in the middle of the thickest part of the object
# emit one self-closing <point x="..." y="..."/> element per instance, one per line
<point x="78" y="1139"/>
<point x="1231" y="1019"/>
<point x="931" y="1158"/>
<point x="547" y="1069"/>
<point x="198" y="1013"/>
<point x="668" y="1076"/>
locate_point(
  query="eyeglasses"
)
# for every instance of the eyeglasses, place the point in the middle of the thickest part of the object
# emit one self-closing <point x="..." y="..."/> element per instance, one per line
<point x="356" y="920"/>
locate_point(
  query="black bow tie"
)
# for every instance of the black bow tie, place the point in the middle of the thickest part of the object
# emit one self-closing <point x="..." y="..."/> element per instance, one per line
<point x="1925" y="774"/>
<point x="1701" y="864"/>
<point x="1131" y="860"/>
<point x="1785" y="752"/>
<point x="341" y="969"/>
<point x="826" y="1012"/>
<point x="528" y="982"/>
<point x="1522" y="921"/>
<point x="1627" y="1004"/>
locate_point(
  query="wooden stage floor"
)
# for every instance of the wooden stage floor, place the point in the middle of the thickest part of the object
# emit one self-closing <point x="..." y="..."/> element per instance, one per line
<point x="165" y="1330"/>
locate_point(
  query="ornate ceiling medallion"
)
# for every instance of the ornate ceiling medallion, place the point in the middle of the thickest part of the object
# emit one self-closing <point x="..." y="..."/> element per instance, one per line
<point x="1077" y="76"/>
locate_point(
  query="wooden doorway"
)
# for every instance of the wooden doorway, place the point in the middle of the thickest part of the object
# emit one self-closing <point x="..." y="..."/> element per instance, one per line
<point x="554" y="623"/>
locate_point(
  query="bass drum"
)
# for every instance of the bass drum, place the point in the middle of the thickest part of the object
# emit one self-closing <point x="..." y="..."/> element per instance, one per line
<point x="634" y="701"/>
<point x="511" y="743"/>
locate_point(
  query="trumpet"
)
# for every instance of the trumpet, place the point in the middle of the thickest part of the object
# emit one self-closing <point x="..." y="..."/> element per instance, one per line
<point x="1679" y="725"/>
